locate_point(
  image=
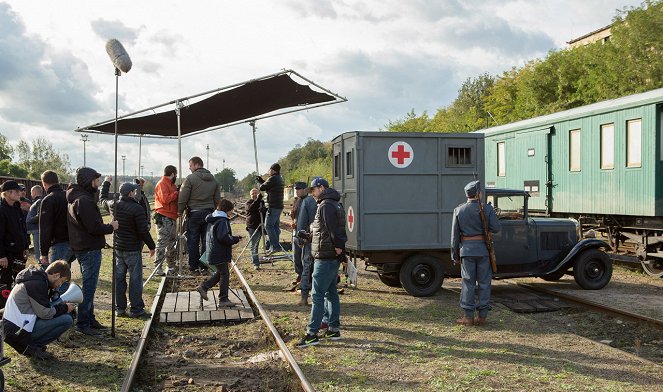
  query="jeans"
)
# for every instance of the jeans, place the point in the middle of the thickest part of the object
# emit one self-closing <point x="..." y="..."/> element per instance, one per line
<point x="221" y="276"/>
<point x="35" y="243"/>
<point x="129" y="261"/>
<point x="46" y="331"/>
<point x="62" y="251"/>
<point x="475" y="270"/>
<point x="195" y="236"/>
<point x="324" y="285"/>
<point x="166" y="242"/>
<point x="297" y="256"/>
<point x="307" y="264"/>
<point x="254" y="235"/>
<point x="272" y="227"/>
<point x="90" y="262"/>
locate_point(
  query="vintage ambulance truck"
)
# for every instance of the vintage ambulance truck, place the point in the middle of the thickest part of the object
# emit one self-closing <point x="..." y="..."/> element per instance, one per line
<point x="399" y="191"/>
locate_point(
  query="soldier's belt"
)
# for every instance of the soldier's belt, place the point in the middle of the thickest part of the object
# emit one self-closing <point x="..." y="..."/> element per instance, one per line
<point x="473" y="238"/>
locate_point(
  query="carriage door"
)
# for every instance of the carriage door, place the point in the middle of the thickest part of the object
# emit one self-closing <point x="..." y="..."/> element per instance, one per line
<point x="533" y="151"/>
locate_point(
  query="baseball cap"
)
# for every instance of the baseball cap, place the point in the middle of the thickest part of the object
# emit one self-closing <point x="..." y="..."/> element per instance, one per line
<point x="319" y="181"/>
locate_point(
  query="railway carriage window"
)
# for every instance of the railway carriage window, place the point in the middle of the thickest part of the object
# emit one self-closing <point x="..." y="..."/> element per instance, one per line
<point x="501" y="161"/>
<point x="349" y="163"/>
<point x="459" y="156"/>
<point x="608" y="146"/>
<point x="634" y="143"/>
<point x="337" y="166"/>
<point x="574" y="150"/>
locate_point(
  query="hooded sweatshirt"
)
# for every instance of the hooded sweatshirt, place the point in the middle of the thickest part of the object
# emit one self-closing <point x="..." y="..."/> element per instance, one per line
<point x="200" y="191"/>
<point x="328" y="227"/>
<point x="28" y="301"/>
<point x="220" y="238"/>
<point x="86" y="227"/>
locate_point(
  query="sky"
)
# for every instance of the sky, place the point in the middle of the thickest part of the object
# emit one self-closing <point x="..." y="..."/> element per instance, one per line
<point x="386" y="57"/>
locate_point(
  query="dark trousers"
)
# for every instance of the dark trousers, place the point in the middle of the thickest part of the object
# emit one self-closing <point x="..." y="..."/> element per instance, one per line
<point x="221" y="276"/>
<point x="195" y="236"/>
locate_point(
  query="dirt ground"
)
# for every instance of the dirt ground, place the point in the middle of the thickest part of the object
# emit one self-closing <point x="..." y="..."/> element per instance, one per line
<point x="390" y="342"/>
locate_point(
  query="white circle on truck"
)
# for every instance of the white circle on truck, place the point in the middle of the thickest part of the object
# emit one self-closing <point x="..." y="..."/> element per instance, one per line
<point x="351" y="218"/>
<point x="400" y="154"/>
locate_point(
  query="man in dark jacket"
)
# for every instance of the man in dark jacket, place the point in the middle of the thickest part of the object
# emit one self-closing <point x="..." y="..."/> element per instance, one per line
<point x="53" y="230"/>
<point x="87" y="232"/>
<point x="199" y="194"/>
<point x="129" y="239"/>
<point x="30" y="321"/>
<point x="274" y="188"/>
<point x="327" y="247"/>
<point x="304" y="218"/>
<point x="220" y="241"/>
<point x="254" y="211"/>
<point x="14" y="240"/>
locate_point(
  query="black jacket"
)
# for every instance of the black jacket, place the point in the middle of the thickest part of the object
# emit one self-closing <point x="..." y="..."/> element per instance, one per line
<point x="13" y="233"/>
<point x="219" y="240"/>
<point x="253" y="210"/>
<point x="86" y="228"/>
<point x="274" y="188"/>
<point x="133" y="228"/>
<point x="328" y="227"/>
<point x="53" y="219"/>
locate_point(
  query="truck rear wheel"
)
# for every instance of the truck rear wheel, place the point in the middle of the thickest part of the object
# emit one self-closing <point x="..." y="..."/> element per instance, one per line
<point x="421" y="275"/>
<point x="390" y="280"/>
<point x="592" y="269"/>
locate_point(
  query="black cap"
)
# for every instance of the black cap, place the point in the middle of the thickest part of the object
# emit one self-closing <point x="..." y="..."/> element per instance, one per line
<point x="300" y="185"/>
<point x="276" y="167"/>
<point x="9" y="186"/>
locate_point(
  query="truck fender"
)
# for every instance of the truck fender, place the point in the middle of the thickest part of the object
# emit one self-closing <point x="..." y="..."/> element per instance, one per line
<point x="581" y="246"/>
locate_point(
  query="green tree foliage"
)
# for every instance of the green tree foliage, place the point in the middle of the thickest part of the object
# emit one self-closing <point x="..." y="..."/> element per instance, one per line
<point x="628" y="63"/>
<point x="226" y="179"/>
<point x="7" y="168"/>
<point x="246" y="183"/>
<point x="303" y="163"/>
<point x="41" y="156"/>
<point x="6" y="150"/>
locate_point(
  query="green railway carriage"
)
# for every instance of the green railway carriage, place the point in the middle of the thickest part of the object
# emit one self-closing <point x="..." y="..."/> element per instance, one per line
<point x="601" y="164"/>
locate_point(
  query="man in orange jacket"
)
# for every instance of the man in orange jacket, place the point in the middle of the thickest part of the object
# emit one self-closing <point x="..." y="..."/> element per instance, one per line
<point x="165" y="216"/>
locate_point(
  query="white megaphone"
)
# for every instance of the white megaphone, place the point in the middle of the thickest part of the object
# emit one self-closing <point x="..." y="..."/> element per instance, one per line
<point x="73" y="295"/>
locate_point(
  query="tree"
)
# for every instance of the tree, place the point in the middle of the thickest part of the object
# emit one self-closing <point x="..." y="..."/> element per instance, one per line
<point x="7" y="168"/>
<point x="226" y="179"/>
<point x="246" y="183"/>
<point x="6" y="150"/>
<point x="411" y="123"/>
<point x="302" y="163"/>
<point x="41" y="157"/>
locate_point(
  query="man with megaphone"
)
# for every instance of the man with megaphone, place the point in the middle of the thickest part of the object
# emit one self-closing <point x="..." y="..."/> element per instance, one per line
<point x="30" y="320"/>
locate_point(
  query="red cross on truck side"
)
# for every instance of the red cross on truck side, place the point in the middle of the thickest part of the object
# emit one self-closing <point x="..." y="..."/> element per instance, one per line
<point x="351" y="218"/>
<point x="400" y="154"/>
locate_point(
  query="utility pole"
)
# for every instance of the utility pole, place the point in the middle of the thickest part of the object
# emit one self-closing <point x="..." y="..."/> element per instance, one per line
<point x="140" y="173"/>
<point x="124" y="158"/>
<point x="84" y="140"/>
<point x="208" y="156"/>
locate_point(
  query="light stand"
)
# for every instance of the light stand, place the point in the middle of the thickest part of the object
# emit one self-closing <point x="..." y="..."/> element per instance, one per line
<point x="117" y="78"/>
<point x="84" y="140"/>
<point x="255" y="153"/>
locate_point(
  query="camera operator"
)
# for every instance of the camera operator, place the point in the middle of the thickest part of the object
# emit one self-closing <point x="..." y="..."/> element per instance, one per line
<point x="14" y="240"/>
<point x="30" y="320"/>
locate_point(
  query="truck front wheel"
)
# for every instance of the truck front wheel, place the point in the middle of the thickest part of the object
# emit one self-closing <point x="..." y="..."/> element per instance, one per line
<point x="421" y="275"/>
<point x="592" y="269"/>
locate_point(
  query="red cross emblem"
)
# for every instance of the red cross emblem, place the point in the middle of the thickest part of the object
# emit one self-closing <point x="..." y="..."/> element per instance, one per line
<point x="351" y="218"/>
<point x="400" y="154"/>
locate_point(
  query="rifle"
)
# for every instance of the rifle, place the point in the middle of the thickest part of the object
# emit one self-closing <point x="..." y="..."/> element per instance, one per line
<point x="489" y="238"/>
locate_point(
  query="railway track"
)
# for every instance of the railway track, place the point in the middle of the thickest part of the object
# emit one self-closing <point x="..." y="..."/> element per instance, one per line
<point x="264" y="316"/>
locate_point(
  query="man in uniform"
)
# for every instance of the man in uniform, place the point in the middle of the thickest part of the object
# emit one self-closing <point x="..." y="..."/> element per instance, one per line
<point x="468" y="246"/>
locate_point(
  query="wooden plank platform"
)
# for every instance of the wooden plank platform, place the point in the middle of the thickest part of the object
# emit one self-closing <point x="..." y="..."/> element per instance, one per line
<point x="188" y="307"/>
<point x="520" y="300"/>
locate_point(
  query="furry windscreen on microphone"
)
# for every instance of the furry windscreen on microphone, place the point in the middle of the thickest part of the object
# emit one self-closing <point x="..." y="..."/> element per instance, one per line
<point x="118" y="55"/>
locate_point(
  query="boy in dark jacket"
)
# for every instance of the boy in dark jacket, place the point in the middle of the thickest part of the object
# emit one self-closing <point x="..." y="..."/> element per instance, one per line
<point x="129" y="239"/>
<point x="87" y="232"/>
<point x="30" y="321"/>
<point x="220" y="241"/>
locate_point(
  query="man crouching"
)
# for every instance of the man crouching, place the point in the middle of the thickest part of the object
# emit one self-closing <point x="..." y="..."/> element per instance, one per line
<point x="30" y="321"/>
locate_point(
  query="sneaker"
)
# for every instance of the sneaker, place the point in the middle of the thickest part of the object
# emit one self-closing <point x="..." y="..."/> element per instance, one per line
<point x="97" y="325"/>
<point x="226" y="304"/>
<point x="332" y="335"/>
<point x="323" y="325"/>
<point x="37" y="353"/>
<point x="144" y="315"/>
<point x="256" y="267"/>
<point x="308" y="340"/>
<point x="121" y="313"/>
<point x="203" y="293"/>
<point x="89" y="331"/>
<point x="303" y="302"/>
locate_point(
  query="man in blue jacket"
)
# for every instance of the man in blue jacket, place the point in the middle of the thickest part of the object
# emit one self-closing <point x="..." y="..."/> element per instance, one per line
<point x="305" y="216"/>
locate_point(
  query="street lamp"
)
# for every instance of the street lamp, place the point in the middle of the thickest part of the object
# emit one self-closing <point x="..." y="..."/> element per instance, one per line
<point x="84" y="140"/>
<point x="124" y="158"/>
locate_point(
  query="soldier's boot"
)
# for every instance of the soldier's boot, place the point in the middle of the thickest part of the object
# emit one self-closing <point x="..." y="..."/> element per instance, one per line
<point x="480" y="321"/>
<point x="465" y="321"/>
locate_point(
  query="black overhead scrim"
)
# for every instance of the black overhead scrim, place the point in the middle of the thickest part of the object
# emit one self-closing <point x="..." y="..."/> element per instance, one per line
<point x="251" y="99"/>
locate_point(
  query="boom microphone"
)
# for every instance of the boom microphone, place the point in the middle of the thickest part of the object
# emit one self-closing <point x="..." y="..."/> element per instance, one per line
<point x="118" y="55"/>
